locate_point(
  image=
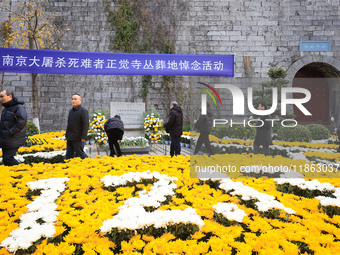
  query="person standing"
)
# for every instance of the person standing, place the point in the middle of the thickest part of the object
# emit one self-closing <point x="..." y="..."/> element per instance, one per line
<point x="174" y="127"/>
<point x="204" y="126"/>
<point x="114" y="128"/>
<point x="77" y="128"/>
<point x="337" y="131"/>
<point x="263" y="135"/>
<point x="12" y="126"/>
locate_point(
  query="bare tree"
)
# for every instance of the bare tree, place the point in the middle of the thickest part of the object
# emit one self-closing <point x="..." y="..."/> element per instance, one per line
<point x="28" y="26"/>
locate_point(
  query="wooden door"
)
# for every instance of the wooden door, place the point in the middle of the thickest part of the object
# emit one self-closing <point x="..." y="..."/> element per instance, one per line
<point x="318" y="105"/>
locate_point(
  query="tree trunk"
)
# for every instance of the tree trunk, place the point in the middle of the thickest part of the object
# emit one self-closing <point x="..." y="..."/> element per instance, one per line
<point x="132" y="94"/>
<point x="35" y="100"/>
<point x="2" y="86"/>
<point x="35" y="89"/>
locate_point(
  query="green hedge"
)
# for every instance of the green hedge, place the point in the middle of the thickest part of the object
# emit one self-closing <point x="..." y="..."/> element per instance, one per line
<point x="186" y="128"/>
<point x="31" y="129"/>
<point x="303" y="133"/>
<point x="318" y="131"/>
<point x="237" y="132"/>
<point x="299" y="133"/>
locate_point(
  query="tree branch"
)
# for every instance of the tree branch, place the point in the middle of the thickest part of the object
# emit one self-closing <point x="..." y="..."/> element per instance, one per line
<point x="16" y="13"/>
<point x="58" y="39"/>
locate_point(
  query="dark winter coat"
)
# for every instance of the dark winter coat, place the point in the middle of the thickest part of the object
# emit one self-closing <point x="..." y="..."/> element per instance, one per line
<point x="175" y="124"/>
<point x="77" y="124"/>
<point x="204" y="123"/>
<point x="116" y="124"/>
<point x="13" y="124"/>
<point x="264" y="133"/>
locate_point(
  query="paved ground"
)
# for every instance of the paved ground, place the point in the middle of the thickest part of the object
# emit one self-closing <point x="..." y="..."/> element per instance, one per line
<point x="156" y="149"/>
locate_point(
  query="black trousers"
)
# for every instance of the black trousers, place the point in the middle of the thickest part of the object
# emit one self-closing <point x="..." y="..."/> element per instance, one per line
<point x="114" y="136"/>
<point x="265" y="149"/>
<point x="203" y="139"/>
<point x="75" y="149"/>
<point x="175" y="146"/>
<point x="8" y="156"/>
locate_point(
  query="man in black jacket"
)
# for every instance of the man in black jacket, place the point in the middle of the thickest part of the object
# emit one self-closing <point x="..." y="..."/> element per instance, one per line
<point x="77" y="128"/>
<point x="175" y="127"/>
<point x="12" y="126"/>
<point x="263" y="132"/>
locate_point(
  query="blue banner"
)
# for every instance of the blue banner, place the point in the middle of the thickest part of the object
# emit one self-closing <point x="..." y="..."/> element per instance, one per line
<point x="97" y="63"/>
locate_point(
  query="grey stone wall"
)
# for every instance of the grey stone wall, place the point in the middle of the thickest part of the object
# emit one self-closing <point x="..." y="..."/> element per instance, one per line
<point x="269" y="32"/>
<point x="260" y="33"/>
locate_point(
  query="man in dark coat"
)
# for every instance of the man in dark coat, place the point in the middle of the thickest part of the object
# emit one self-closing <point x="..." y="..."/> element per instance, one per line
<point x="77" y="128"/>
<point x="12" y="126"/>
<point x="114" y="129"/>
<point x="337" y="129"/>
<point x="174" y="127"/>
<point x="263" y="132"/>
<point x="204" y="126"/>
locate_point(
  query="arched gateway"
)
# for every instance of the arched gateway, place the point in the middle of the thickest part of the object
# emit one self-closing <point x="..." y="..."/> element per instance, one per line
<point x="321" y="76"/>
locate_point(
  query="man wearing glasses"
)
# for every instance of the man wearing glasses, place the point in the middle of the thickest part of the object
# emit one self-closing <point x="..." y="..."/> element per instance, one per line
<point x="12" y="126"/>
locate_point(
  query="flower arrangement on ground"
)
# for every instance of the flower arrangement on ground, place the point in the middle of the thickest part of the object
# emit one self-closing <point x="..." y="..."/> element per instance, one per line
<point x="152" y="127"/>
<point x="97" y="132"/>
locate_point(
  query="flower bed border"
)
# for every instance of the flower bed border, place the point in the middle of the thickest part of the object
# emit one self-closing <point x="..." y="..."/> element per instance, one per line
<point x="130" y="150"/>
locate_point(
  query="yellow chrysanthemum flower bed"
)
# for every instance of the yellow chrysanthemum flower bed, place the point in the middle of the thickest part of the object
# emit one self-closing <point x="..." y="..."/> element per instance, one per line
<point x="49" y="142"/>
<point x="334" y="157"/>
<point x="91" y="193"/>
<point x="44" y="142"/>
<point x="214" y="139"/>
<point x="281" y="143"/>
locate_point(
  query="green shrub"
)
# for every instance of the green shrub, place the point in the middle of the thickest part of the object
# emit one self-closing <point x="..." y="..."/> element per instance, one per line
<point x="219" y="131"/>
<point x="276" y="127"/>
<point x="236" y="131"/>
<point x="318" y="131"/>
<point x="31" y="129"/>
<point x="186" y="128"/>
<point x="241" y="132"/>
<point x="298" y="133"/>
